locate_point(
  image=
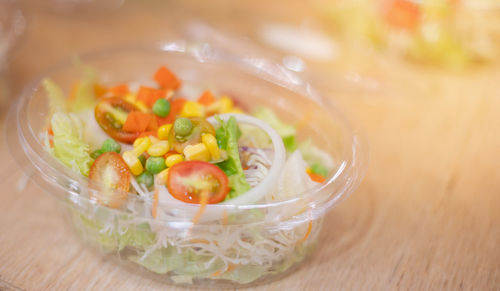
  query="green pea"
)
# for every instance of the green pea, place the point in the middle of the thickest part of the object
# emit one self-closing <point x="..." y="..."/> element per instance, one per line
<point x="183" y="126"/>
<point x="161" y="107"/>
<point x="154" y="165"/>
<point x="110" y="145"/>
<point x="142" y="159"/>
<point x="146" y="178"/>
<point x="319" y="169"/>
<point x="95" y="154"/>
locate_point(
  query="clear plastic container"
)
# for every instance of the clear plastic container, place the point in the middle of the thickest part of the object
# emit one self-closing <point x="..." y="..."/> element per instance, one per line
<point x="251" y="244"/>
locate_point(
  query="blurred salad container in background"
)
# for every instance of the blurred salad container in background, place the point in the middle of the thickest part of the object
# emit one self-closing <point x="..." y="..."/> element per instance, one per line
<point x="451" y="33"/>
<point x="12" y="25"/>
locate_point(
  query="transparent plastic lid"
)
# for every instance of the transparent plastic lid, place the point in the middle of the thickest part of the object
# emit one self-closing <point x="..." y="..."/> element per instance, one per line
<point x="251" y="81"/>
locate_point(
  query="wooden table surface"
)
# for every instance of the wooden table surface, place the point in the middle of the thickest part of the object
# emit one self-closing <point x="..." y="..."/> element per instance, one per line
<point x="427" y="215"/>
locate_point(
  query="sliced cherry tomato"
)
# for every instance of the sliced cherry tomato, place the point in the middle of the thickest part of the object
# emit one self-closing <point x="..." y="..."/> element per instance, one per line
<point x="188" y="180"/>
<point x="200" y="125"/>
<point x="110" y="171"/>
<point x="111" y="114"/>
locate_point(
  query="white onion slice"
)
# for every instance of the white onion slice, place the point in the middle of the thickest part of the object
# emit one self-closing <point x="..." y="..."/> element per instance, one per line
<point x="258" y="192"/>
<point x="178" y="208"/>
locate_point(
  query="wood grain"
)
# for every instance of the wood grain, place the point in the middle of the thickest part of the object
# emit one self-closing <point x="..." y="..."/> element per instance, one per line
<point x="426" y="216"/>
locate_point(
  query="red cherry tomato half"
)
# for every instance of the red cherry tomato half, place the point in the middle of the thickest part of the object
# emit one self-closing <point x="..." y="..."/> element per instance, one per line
<point x="188" y="180"/>
<point x="110" y="171"/>
<point x="108" y="113"/>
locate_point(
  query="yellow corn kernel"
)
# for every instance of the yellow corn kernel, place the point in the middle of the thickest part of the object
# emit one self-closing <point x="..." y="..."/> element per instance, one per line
<point x="193" y="109"/>
<point x="173" y="159"/>
<point x="161" y="177"/>
<point x="141" y="145"/>
<point x="133" y="163"/>
<point x="153" y="139"/>
<point x="236" y="110"/>
<point x="130" y="98"/>
<point x="158" y="149"/>
<point x="211" y="143"/>
<point x="142" y="107"/>
<point x="163" y="131"/>
<point x="225" y="104"/>
<point x="197" y="152"/>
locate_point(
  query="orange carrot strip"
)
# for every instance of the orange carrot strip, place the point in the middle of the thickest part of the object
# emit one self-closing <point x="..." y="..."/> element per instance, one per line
<point x="308" y="232"/>
<point x="224" y="217"/>
<point x="203" y="204"/>
<point x="206" y="98"/>
<point x="315" y="177"/>
<point x="119" y="90"/>
<point x="166" y="79"/>
<point x="199" y="240"/>
<point x="137" y="121"/>
<point x="230" y="267"/>
<point x="149" y="95"/>
<point x="154" y="209"/>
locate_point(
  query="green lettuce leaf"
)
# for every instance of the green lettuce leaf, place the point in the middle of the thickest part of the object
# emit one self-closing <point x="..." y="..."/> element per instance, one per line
<point x="69" y="146"/>
<point x="286" y="131"/>
<point x="227" y="136"/>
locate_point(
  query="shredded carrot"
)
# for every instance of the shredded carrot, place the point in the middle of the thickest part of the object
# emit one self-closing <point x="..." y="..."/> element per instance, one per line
<point x="230" y="267"/>
<point x="308" y="232"/>
<point x="224" y="217"/>
<point x="137" y="121"/>
<point x="206" y="98"/>
<point x="154" y="209"/>
<point x="166" y="79"/>
<point x="315" y="177"/>
<point x="149" y="95"/>
<point x="119" y="90"/>
<point x="203" y="204"/>
<point x="200" y="240"/>
<point x="99" y="90"/>
<point x="50" y="132"/>
<point x="176" y="106"/>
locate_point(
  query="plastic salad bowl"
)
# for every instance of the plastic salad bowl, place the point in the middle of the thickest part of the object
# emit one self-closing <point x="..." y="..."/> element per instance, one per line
<point x="235" y="243"/>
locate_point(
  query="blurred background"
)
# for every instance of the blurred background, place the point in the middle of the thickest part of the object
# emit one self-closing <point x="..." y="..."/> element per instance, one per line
<point x="417" y="78"/>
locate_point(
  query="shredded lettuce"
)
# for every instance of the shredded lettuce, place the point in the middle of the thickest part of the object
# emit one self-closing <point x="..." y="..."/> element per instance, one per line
<point x="109" y="238"/>
<point x="227" y="136"/>
<point x="286" y="131"/>
<point x="161" y="261"/>
<point x="69" y="146"/>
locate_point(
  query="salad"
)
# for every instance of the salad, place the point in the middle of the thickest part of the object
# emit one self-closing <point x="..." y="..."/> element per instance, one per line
<point x="453" y="33"/>
<point x="178" y="161"/>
